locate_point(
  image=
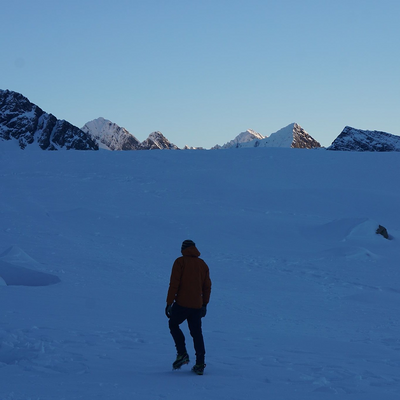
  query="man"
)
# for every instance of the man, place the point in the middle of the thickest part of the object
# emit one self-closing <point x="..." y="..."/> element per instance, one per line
<point x="187" y="299"/>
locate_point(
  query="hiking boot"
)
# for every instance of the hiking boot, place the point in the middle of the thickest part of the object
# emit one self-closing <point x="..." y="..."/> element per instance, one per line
<point x="181" y="359"/>
<point x="199" y="369"/>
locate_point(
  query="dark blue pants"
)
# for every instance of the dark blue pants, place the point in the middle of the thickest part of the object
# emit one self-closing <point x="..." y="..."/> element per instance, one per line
<point x="193" y="316"/>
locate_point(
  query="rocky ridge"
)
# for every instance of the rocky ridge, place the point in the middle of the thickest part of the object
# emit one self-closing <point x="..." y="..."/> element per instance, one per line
<point x="29" y="125"/>
<point x="352" y="139"/>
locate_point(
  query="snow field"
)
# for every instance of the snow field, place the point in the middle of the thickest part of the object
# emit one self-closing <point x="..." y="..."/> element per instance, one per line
<point x="305" y="294"/>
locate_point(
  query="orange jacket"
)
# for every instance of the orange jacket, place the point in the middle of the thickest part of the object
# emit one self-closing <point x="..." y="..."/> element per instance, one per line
<point x="190" y="283"/>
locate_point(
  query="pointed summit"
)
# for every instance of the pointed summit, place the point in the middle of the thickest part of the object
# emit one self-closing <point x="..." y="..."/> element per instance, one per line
<point x="157" y="140"/>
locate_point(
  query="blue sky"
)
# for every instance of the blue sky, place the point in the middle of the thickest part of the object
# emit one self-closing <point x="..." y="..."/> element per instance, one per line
<point x="203" y="71"/>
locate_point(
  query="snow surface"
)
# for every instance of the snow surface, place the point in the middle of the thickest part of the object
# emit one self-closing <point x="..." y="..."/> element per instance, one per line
<point x="305" y="295"/>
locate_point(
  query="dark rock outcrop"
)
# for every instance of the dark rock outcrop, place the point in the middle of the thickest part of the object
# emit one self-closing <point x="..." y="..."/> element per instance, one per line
<point x="382" y="231"/>
<point x="302" y="140"/>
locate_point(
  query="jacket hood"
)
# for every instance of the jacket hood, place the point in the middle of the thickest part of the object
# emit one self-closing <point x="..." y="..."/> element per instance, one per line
<point x="191" y="252"/>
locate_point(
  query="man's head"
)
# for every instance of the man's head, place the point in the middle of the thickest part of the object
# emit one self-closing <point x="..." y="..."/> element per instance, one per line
<point x="186" y="244"/>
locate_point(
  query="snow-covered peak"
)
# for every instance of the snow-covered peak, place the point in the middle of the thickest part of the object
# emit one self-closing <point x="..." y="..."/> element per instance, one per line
<point x="111" y="136"/>
<point x="352" y="139"/>
<point x="157" y="140"/>
<point x="243" y="137"/>
<point x="281" y="138"/>
<point x="98" y="126"/>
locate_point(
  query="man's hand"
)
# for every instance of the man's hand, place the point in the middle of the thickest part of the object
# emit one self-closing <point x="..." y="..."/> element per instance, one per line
<point x="168" y="310"/>
<point x="203" y="310"/>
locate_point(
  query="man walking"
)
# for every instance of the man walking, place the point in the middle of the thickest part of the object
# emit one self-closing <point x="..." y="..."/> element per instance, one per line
<point x="187" y="299"/>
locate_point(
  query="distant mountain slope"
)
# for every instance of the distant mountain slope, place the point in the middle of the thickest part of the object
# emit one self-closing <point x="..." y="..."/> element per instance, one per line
<point x="352" y="139"/>
<point x="243" y="137"/>
<point x="113" y="137"/>
<point x="29" y="125"/>
<point x="291" y="136"/>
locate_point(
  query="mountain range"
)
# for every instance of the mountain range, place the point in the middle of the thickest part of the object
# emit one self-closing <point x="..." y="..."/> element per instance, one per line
<point x="291" y="136"/>
<point x="28" y="125"/>
<point x="110" y="136"/>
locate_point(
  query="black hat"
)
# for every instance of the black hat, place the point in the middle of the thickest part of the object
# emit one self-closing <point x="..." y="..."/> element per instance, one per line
<point x="187" y="243"/>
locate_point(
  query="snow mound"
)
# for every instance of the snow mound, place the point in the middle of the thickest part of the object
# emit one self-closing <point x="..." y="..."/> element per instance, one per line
<point x="336" y="230"/>
<point x="345" y="229"/>
<point x="19" y="269"/>
<point x="21" y="276"/>
<point x="365" y="230"/>
<point x="15" y="255"/>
